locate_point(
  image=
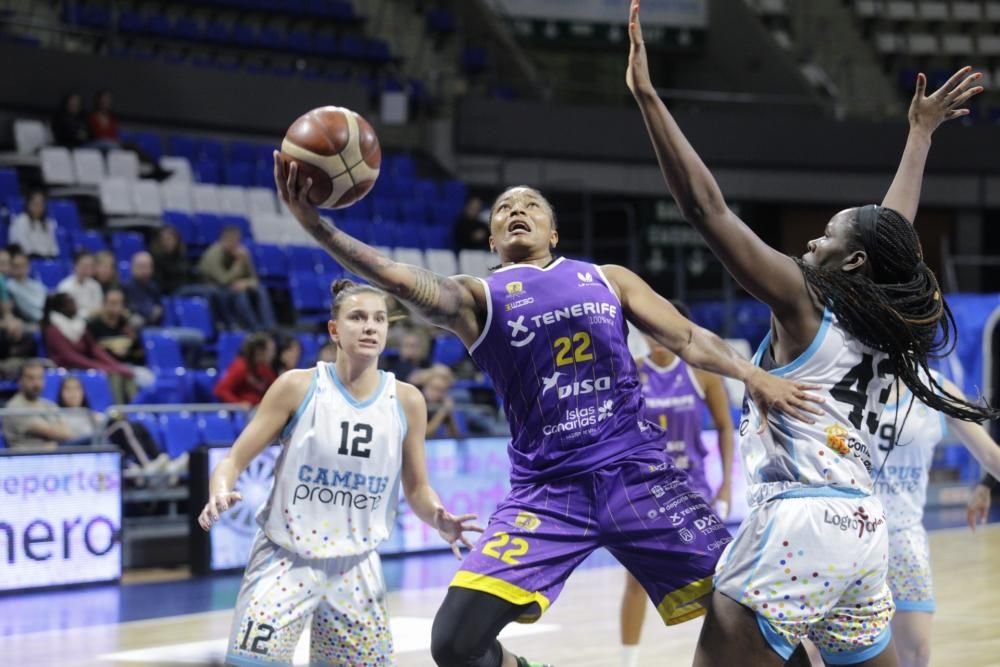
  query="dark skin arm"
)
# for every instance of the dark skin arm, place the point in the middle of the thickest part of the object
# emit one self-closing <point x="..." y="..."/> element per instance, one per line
<point x="456" y="303"/>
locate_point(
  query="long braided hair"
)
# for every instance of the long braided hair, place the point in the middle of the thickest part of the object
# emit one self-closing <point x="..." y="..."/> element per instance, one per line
<point x="896" y="306"/>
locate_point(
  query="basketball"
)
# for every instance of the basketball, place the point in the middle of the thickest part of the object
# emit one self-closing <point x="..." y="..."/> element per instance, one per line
<point x="338" y="150"/>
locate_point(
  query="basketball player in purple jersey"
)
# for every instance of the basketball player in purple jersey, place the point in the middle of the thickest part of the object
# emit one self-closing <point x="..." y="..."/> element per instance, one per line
<point x="587" y="470"/>
<point x="676" y="398"/>
<point x="858" y="308"/>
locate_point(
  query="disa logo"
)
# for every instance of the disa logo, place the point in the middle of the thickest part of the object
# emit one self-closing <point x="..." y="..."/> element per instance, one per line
<point x="515" y="287"/>
<point x="836" y="439"/>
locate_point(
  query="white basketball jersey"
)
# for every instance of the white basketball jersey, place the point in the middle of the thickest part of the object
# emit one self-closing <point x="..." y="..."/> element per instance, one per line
<point x="336" y="484"/>
<point x="902" y="486"/>
<point x="836" y="450"/>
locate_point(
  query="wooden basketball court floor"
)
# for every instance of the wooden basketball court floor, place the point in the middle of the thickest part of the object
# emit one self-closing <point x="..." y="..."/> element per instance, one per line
<point x="580" y="630"/>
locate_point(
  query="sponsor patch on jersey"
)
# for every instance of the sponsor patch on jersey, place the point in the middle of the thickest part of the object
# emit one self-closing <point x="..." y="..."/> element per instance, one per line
<point x="515" y="287"/>
<point x="836" y="439"/>
<point x="528" y="521"/>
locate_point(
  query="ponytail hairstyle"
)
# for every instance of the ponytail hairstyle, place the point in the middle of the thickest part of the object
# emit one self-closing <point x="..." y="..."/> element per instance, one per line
<point x="895" y="305"/>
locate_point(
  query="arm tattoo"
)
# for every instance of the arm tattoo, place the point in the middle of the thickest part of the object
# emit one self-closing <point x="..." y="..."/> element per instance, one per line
<point x="438" y="298"/>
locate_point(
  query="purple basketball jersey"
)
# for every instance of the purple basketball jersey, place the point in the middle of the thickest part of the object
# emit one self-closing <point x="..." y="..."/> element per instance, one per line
<point x="675" y="402"/>
<point x="554" y="345"/>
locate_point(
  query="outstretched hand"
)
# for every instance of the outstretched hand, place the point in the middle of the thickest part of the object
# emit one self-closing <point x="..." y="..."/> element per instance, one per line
<point x="927" y="112"/>
<point x="294" y="194"/>
<point x="451" y="529"/>
<point x="770" y="392"/>
<point x="215" y="506"/>
<point x="637" y="74"/>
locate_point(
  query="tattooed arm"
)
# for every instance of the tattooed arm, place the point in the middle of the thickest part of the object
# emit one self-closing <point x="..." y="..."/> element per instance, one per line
<point x="456" y="303"/>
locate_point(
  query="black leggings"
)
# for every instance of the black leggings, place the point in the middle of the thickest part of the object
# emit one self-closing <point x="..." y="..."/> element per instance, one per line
<point x="466" y="628"/>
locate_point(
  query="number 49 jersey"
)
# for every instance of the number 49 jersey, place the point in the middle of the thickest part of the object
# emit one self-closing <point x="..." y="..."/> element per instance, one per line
<point x="836" y="451"/>
<point x="336" y="483"/>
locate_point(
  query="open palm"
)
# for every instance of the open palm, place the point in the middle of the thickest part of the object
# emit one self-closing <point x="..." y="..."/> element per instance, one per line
<point x="927" y="112"/>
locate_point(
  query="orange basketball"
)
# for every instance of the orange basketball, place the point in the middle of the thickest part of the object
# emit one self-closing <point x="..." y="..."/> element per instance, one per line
<point x="338" y="149"/>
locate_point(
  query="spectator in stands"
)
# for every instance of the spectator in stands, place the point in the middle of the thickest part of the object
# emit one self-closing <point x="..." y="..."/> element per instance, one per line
<point x="80" y="284"/>
<point x="16" y="342"/>
<point x="133" y="438"/>
<point x="471" y="231"/>
<point x="250" y="374"/>
<point x="102" y="122"/>
<point x="142" y="294"/>
<point x="70" y="345"/>
<point x="106" y="270"/>
<point x="436" y="384"/>
<point x="413" y="356"/>
<point x="69" y="124"/>
<point x="227" y="265"/>
<point x="327" y="353"/>
<point x="33" y="229"/>
<point x="4" y="262"/>
<point x="289" y="355"/>
<point x="113" y="331"/>
<point x="27" y="293"/>
<point x="172" y="269"/>
<point x="43" y="431"/>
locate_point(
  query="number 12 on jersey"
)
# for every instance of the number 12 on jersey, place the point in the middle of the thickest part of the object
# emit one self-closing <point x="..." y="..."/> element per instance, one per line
<point x="363" y="436"/>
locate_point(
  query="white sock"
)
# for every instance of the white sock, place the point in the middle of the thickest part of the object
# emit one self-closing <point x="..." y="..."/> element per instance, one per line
<point x="630" y="655"/>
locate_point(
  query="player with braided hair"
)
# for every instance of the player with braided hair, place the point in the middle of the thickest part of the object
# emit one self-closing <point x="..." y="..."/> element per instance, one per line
<point x="857" y="309"/>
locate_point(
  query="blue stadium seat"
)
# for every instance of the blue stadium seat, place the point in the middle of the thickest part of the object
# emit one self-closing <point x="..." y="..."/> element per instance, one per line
<point x="216" y="31"/>
<point x="441" y="21"/>
<point x="243" y="35"/>
<point x="180" y="433"/>
<point x="158" y="24"/>
<point x="184" y="224"/>
<point x="8" y="183"/>
<point x="182" y="146"/>
<point x="377" y="51"/>
<point x="130" y="22"/>
<point x="271" y="263"/>
<point x="299" y="41"/>
<point x="199" y="385"/>
<point x="216" y="428"/>
<point x="211" y="149"/>
<point x="304" y="258"/>
<point x="309" y="349"/>
<point x="3" y="234"/>
<point x="473" y="60"/>
<point x="307" y="298"/>
<point x="126" y="244"/>
<point x="438" y="238"/>
<point x="50" y="271"/>
<point x="330" y="266"/>
<point x="239" y="421"/>
<point x="352" y="47"/>
<point x="270" y="38"/>
<point x="185" y="27"/>
<point x="325" y="44"/>
<point x="64" y="212"/>
<point x="149" y="142"/>
<point x="228" y="347"/>
<point x="207" y="228"/>
<point x="151" y="423"/>
<point x="194" y="312"/>
<point x="163" y="353"/>
<point x="243" y="151"/>
<point x="96" y="388"/>
<point x="88" y="240"/>
<point x="13" y="203"/>
<point x="454" y="191"/>
<point x="206" y="171"/>
<point x="239" y="173"/>
<point x="53" y="381"/>
<point x="448" y="350"/>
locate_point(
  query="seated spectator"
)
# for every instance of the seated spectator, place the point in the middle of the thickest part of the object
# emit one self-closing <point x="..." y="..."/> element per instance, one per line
<point x="327" y="353"/>
<point x="435" y="385"/>
<point x="80" y="284"/>
<point x="27" y="294"/>
<point x="70" y="345"/>
<point x="413" y="356"/>
<point x="142" y="294"/>
<point x="112" y="329"/>
<point x="250" y="374"/>
<point x="172" y="268"/>
<point x="102" y="122"/>
<point x="33" y="229"/>
<point x="106" y="270"/>
<point x="133" y="438"/>
<point x="43" y="431"/>
<point x="69" y="124"/>
<point x="16" y="342"/>
<point x="471" y="231"/>
<point x="289" y="355"/>
<point x="243" y="301"/>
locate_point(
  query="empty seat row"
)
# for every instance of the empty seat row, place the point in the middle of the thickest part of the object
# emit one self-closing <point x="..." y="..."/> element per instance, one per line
<point x="928" y="10"/>
<point x="86" y="166"/>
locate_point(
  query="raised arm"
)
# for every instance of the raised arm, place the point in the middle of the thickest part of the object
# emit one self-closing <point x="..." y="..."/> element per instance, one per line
<point x="702" y="349"/>
<point x="975" y="438"/>
<point x="457" y="304"/>
<point x="420" y="496"/>
<point x="926" y="113"/>
<point x="767" y="274"/>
